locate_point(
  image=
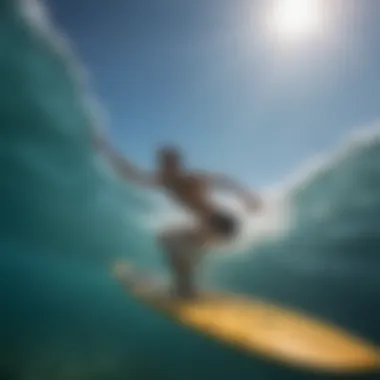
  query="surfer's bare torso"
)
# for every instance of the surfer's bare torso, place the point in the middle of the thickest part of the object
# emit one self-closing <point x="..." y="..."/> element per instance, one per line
<point x="189" y="190"/>
<point x="192" y="191"/>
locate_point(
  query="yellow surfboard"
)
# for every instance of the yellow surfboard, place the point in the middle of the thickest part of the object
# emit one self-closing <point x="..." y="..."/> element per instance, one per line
<point x="259" y="328"/>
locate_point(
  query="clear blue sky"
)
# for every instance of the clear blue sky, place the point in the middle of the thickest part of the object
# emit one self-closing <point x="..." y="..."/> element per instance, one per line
<point x="202" y="74"/>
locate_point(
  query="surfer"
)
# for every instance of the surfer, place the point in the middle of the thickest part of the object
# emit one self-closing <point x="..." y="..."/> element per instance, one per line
<point x="191" y="190"/>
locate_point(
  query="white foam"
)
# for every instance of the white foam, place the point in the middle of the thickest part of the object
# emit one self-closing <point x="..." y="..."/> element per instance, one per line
<point x="358" y="139"/>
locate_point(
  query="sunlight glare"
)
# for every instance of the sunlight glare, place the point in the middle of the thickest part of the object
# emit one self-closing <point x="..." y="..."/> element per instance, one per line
<point x="296" y="19"/>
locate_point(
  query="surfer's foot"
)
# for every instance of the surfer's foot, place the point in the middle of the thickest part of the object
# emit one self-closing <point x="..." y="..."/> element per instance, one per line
<point x="185" y="294"/>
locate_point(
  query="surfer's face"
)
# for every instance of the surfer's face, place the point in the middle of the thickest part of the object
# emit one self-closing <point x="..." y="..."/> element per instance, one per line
<point x="169" y="160"/>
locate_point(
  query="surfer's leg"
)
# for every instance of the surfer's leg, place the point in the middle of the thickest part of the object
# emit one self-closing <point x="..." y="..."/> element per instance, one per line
<point x="183" y="250"/>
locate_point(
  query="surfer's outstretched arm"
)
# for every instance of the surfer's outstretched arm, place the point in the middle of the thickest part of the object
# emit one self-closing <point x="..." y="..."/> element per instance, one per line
<point x="123" y="167"/>
<point x="224" y="183"/>
<point x="130" y="172"/>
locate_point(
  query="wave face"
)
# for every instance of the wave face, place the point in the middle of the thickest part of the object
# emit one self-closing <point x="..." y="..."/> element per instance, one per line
<point x="326" y="258"/>
<point x="65" y="216"/>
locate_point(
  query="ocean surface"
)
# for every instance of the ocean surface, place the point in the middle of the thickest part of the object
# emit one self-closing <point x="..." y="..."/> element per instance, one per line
<point x="65" y="216"/>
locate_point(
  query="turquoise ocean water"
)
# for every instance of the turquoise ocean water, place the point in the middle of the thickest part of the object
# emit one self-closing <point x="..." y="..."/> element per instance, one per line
<point x="64" y="216"/>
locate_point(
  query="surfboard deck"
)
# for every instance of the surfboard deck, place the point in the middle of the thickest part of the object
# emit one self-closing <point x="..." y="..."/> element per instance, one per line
<point x="257" y="327"/>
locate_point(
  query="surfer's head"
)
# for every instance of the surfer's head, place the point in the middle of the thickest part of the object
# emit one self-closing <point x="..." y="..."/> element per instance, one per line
<point x="169" y="159"/>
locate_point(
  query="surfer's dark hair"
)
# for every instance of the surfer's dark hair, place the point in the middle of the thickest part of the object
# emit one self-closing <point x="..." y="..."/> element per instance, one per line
<point x="169" y="153"/>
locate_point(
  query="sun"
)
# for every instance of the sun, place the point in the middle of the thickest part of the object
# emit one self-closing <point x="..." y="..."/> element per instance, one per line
<point x="296" y="19"/>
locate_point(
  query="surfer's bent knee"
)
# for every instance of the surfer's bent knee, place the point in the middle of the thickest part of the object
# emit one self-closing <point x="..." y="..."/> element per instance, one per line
<point x="172" y="239"/>
<point x="167" y="240"/>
